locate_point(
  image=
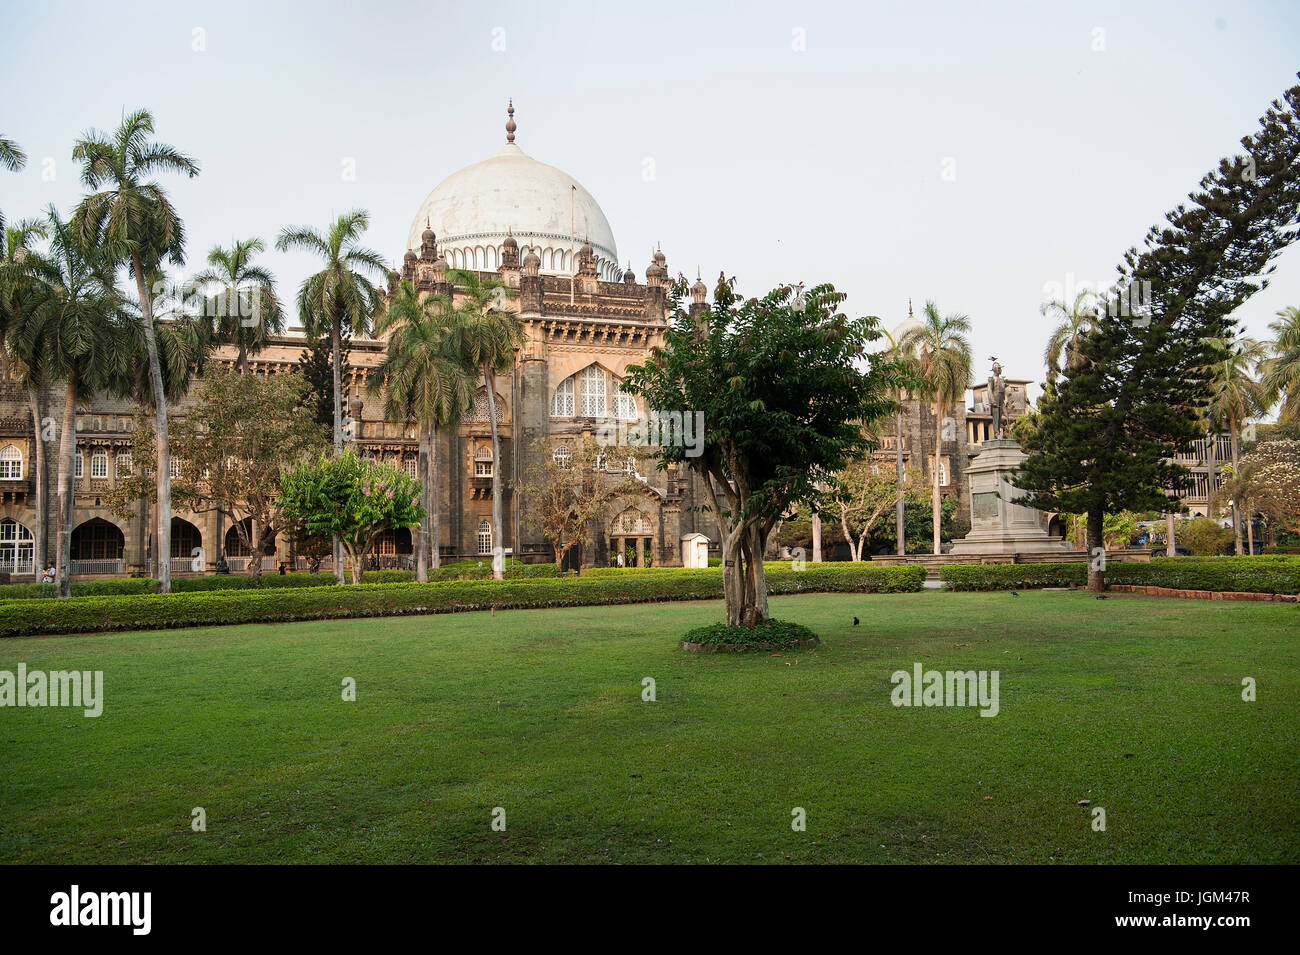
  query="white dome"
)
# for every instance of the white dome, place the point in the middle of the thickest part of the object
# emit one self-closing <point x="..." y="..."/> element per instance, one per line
<point x="473" y="210"/>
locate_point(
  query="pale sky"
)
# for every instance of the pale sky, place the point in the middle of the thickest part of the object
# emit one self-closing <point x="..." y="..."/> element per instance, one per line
<point x="788" y="141"/>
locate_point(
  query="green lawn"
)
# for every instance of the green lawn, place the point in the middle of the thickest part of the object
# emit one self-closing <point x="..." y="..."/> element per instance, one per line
<point x="1133" y="703"/>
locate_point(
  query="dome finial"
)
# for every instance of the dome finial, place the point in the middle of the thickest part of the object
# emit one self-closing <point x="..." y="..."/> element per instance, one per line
<point x="909" y="306"/>
<point x="510" y="123"/>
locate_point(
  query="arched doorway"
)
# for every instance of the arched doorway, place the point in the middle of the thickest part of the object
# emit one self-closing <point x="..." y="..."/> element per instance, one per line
<point x="631" y="539"/>
<point x="97" y="547"/>
<point x="17" y="548"/>
<point x="392" y="549"/>
<point x="238" y="553"/>
<point x="187" y="548"/>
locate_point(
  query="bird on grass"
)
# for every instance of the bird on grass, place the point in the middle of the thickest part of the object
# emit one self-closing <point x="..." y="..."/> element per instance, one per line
<point x="1015" y="593"/>
<point x="1103" y="596"/>
<point x="855" y="621"/>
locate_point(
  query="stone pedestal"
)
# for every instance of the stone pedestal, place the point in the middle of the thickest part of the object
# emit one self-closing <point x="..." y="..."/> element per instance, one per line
<point x="998" y="526"/>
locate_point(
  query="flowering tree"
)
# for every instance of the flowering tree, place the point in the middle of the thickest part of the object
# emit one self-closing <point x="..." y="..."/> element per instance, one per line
<point x="352" y="500"/>
<point x="868" y="489"/>
<point x="1269" y="482"/>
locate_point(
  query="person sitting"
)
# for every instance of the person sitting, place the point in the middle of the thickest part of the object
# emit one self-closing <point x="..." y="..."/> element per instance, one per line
<point x="47" y="576"/>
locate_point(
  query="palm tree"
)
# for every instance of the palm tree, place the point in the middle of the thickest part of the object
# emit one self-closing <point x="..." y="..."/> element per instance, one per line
<point x="136" y="222"/>
<point x="340" y="297"/>
<point x="942" y="355"/>
<point x="1075" y="321"/>
<point x="244" y="310"/>
<point x="77" y="328"/>
<point x="20" y="356"/>
<point x="427" y="384"/>
<point x="488" y="336"/>
<point x="1281" y="371"/>
<point x="899" y="509"/>
<point x="13" y="159"/>
<point x="1235" y="395"/>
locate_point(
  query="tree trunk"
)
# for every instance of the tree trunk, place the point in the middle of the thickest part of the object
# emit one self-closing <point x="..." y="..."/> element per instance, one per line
<point x="435" y="514"/>
<point x="1236" y="507"/>
<point x="817" y="537"/>
<point x="498" y="542"/>
<point x="255" y="546"/>
<point x="41" y="485"/>
<point x="1096" y="573"/>
<point x="67" y="458"/>
<point x="422" y="544"/>
<point x="935" y="503"/>
<point x="162" y="470"/>
<point x="1171" y="546"/>
<point x="338" y="426"/>
<point x="755" y="579"/>
<point x="899" y="521"/>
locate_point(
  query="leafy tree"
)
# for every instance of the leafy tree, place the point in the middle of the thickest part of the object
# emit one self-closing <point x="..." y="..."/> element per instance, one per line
<point x="341" y="298"/>
<point x="1108" y="435"/>
<point x="942" y="355"/>
<point x="1204" y="537"/>
<point x="908" y="362"/>
<point x="567" y="491"/>
<point x="918" y="528"/>
<point x="234" y="448"/>
<point x="135" y="222"/>
<point x="241" y="304"/>
<point x="1074" y="319"/>
<point x="488" y="335"/>
<point x="353" y="501"/>
<point x="786" y="388"/>
<point x="1269" y="481"/>
<point x="1282" y="369"/>
<point x="865" y="491"/>
<point x="316" y="363"/>
<point x="425" y="383"/>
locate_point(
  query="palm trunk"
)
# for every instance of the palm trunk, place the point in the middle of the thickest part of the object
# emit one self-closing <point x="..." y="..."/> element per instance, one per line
<point x="67" y="457"/>
<point x="817" y="537"/>
<point x="162" y="472"/>
<point x="1236" y="507"/>
<point x="422" y="544"/>
<point x="435" y="514"/>
<point x="1171" y="547"/>
<point x="899" y="521"/>
<point x="338" y="427"/>
<point x="935" y="503"/>
<point x="255" y="545"/>
<point x="1096" y="575"/>
<point x="498" y="543"/>
<point x="40" y="483"/>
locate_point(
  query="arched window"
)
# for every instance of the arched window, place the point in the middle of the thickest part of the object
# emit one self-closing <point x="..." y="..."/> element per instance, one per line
<point x="562" y="456"/>
<point x="481" y="406"/>
<point x="11" y="463"/>
<point x="484" y="537"/>
<point x="411" y="465"/>
<point x="483" y="462"/>
<point x="17" y="547"/>
<point x="80" y="465"/>
<point x="592" y="380"/>
<point x="122" y="465"/>
<point x="562" y="400"/>
<point x="624" y="404"/>
<point x="99" y="464"/>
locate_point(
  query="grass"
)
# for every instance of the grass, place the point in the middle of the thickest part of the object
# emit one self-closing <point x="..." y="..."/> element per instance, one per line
<point x="1133" y="703"/>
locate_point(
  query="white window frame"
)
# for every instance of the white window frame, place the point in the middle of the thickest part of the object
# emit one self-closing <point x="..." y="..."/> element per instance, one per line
<point x="123" y="465"/>
<point x="562" y="399"/>
<point x="99" y="466"/>
<point x="595" y="393"/>
<point x="79" y="468"/>
<point x="624" y="404"/>
<point x="483" y="462"/>
<point x="563" y="457"/>
<point x="485" y="536"/>
<point x="11" y="463"/>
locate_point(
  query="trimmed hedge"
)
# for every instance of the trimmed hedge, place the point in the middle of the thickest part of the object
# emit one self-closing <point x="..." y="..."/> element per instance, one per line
<point x="119" y="586"/>
<point x="769" y="633"/>
<point x="1264" y="575"/>
<point x="268" y="605"/>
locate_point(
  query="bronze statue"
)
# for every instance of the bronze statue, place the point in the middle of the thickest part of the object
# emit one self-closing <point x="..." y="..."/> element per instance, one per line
<point x="997" y="398"/>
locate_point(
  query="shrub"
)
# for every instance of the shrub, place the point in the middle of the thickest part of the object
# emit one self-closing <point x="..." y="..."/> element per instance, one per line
<point x="769" y="633"/>
<point x="1269" y="575"/>
<point x="267" y="604"/>
<point x="1203" y="537"/>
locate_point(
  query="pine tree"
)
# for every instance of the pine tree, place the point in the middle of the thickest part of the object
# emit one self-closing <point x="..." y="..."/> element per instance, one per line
<point x="1106" y="438"/>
